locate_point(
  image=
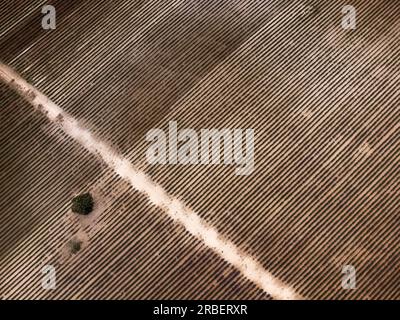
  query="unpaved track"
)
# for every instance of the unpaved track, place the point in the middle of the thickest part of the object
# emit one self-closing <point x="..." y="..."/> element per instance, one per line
<point x="152" y="257"/>
<point x="176" y="209"/>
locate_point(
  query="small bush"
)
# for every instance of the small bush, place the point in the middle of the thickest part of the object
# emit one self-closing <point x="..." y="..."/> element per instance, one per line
<point x="74" y="246"/>
<point x="82" y="204"/>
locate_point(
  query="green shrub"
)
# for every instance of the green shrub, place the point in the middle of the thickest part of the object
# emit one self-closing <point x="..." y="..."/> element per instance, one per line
<point x="74" y="246"/>
<point x="82" y="204"/>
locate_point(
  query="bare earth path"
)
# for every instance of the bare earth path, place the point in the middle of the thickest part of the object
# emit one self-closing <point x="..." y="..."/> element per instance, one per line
<point x="157" y="196"/>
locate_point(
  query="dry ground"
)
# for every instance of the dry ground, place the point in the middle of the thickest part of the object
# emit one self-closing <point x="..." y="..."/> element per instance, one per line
<point x="324" y="105"/>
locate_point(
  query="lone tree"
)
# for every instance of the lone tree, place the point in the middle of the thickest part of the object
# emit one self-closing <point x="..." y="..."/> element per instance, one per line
<point x="74" y="246"/>
<point x="82" y="204"/>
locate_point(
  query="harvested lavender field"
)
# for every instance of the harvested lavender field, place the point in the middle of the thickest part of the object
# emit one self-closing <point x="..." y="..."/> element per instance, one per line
<point x="79" y="103"/>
